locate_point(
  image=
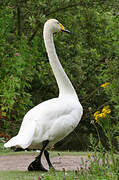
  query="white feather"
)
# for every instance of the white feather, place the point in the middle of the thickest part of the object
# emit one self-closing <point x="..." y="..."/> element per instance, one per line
<point x="53" y="119"/>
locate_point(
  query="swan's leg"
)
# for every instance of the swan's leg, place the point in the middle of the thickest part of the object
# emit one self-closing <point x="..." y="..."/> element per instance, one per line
<point x="37" y="165"/>
<point x="46" y="153"/>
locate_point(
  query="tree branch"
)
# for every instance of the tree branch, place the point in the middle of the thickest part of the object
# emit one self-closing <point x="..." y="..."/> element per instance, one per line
<point x="34" y="33"/>
<point x="19" y="20"/>
<point x="52" y="12"/>
<point x="63" y="8"/>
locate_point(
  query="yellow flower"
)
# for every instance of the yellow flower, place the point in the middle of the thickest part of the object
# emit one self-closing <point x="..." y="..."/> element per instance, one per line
<point x="102" y="115"/>
<point x="98" y="116"/>
<point x="106" y="107"/>
<point x="105" y="84"/>
<point x="106" y="110"/>
<point x="96" y="113"/>
<point x="89" y="155"/>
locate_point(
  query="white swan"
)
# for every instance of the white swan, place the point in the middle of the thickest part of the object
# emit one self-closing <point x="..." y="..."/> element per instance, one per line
<point x="52" y="120"/>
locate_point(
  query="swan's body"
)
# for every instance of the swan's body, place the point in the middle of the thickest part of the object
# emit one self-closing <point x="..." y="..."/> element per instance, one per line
<point x="54" y="119"/>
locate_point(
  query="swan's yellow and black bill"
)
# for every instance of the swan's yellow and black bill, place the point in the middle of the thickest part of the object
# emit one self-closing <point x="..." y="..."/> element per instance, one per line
<point x="63" y="29"/>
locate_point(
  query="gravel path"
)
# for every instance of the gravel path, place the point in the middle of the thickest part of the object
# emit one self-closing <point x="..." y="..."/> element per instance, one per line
<point x="21" y="162"/>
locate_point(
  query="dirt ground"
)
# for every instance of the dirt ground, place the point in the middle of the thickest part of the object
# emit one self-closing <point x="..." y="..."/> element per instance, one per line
<point x="21" y="162"/>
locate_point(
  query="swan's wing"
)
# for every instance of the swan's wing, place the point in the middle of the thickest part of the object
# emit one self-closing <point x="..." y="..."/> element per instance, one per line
<point x="24" y="139"/>
<point x="59" y="118"/>
<point x="45" y="121"/>
<point x="32" y="122"/>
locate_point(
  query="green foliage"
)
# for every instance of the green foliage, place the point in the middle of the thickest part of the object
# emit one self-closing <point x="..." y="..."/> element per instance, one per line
<point x="16" y="72"/>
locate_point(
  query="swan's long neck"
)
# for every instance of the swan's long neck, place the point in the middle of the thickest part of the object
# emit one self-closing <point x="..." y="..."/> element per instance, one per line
<point x="64" y="84"/>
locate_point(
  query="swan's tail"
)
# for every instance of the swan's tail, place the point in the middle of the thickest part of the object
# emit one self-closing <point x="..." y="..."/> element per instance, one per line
<point x="18" y="141"/>
<point x="24" y="137"/>
<point x="15" y="141"/>
<point x="11" y="142"/>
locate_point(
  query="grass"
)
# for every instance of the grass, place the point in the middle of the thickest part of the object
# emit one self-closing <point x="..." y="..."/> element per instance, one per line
<point x="52" y="153"/>
<point x="95" y="171"/>
<point x="20" y="175"/>
<point x="82" y="175"/>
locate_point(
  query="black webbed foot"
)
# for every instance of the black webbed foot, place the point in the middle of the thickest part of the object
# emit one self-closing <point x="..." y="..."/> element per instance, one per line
<point x="36" y="166"/>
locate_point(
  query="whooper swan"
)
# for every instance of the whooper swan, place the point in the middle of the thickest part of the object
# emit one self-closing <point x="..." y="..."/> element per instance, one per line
<point x="52" y="120"/>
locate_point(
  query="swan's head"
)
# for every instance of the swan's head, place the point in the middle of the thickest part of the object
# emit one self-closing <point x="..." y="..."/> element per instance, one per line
<point x="55" y="26"/>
